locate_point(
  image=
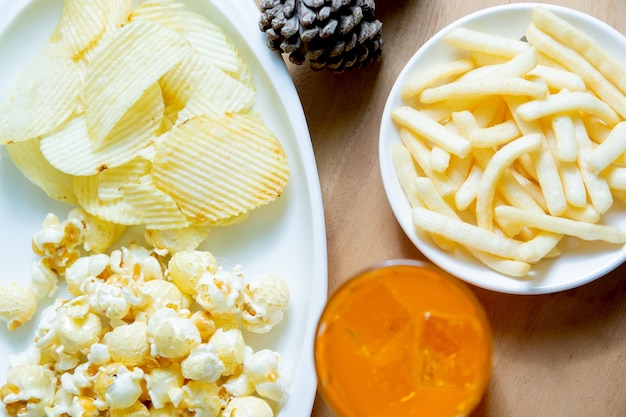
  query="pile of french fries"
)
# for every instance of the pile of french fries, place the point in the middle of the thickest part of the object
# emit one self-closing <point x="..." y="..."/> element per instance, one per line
<point x="515" y="144"/>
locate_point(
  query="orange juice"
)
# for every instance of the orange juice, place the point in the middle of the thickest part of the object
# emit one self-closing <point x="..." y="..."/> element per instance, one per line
<point x="403" y="339"/>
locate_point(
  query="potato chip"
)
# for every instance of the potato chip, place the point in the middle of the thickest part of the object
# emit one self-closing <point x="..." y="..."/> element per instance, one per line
<point x="71" y="150"/>
<point x="30" y="161"/>
<point x="156" y="209"/>
<point x="229" y="165"/>
<point x="82" y="23"/>
<point x="43" y="96"/>
<point x="115" y="211"/>
<point x="206" y="39"/>
<point x="133" y="59"/>
<point x="112" y="180"/>
<point x="177" y="240"/>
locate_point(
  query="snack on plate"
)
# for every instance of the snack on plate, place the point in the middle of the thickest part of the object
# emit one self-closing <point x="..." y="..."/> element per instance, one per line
<point x="142" y="114"/>
<point x="515" y="144"/>
<point x="140" y="334"/>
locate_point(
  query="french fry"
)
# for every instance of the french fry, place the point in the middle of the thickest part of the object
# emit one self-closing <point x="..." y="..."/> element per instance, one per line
<point x="501" y="160"/>
<point x="405" y="170"/>
<point x="543" y="141"/>
<point x="562" y="225"/>
<point x="466" y="193"/>
<point x="466" y="234"/>
<point x="597" y="187"/>
<point x="585" y="45"/>
<point x="439" y="159"/>
<point x="484" y="88"/>
<point x="576" y="63"/>
<point x="609" y="150"/>
<point x="573" y="184"/>
<point x="568" y="101"/>
<point x="431" y="130"/>
<point x="566" y="145"/>
<point x="471" y="40"/>
<point x="558" y="79"/>
<point x="434" y="75"/>
<point x="615" y="178"/>
<point x="495" y="135"/>
<point x="549" y="179"/>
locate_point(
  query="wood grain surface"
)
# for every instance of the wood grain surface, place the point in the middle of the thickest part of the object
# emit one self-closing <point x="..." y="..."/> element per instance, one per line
<point x="555" y="355"/>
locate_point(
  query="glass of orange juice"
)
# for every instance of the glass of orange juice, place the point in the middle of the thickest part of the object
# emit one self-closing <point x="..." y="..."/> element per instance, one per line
<point x="403" y="338"/>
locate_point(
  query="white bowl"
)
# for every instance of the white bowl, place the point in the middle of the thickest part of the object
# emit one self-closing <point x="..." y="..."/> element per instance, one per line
<point x="581" y="261"/>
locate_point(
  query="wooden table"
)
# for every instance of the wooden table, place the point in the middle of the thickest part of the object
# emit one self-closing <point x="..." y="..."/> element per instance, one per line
<point x="556" y="355"/>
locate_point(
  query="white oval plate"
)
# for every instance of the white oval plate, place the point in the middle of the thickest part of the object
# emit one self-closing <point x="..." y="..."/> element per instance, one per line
<point x="286" y="237"/>
<point x="581" y="262"/>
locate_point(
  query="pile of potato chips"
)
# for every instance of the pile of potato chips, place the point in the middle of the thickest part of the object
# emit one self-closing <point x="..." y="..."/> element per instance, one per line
<point x="515" y="144"/>
<point x="143" y="115"/>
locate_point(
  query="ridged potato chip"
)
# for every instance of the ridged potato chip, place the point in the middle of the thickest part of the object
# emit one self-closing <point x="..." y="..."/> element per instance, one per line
<point x="206" y="39"/>
<point x="71" y="150"/>
<point x="30" y="161"/>
<point x="195" y="86"/>
<point x="115" y="211"/>
<point x="133" y="59"/>
<point x="43" y="96"/>
<point x="177" y="240"/>
<point x="156" y="209"/>
<point x="113" y="180"/>
<point x="141" y="114"/>
<point x="82" y="23"/>
<point x="229" y="165"/>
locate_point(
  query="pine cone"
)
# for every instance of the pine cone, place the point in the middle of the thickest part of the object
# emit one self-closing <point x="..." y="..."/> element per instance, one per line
<point x="336" y="35"/>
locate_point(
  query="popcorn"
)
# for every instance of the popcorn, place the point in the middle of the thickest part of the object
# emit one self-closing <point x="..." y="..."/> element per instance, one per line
<point x="248" y="406"/>
<point x="57" y="241"/>
<point x="128" y="343"/>
<point x="203" y="364"/>
<point x="263" y="369"/>
<point x="18" y="304"/>
<point x="202" y="399"/>
<point x="265" y="300"/>
<point x="163" y="293"/>
<point x="29" y="390"/>
<point x="98" y="234"/>
<point x="185" y="269"/>
<point x="82" y="269"/>
<point x="117" y="387"/>
<point x="220" y="293"/>
<point x="165" y="385"/>
<point x="174" y="336"/>
<point x="229" y="346"/>
<point x="238" y="386"/>
<point x="77" y="335"/>
<point x="138" y="409"/>
<point x="141" y="335"/>
<point x="99" y="354"/>
<point x="43" y="280"/>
